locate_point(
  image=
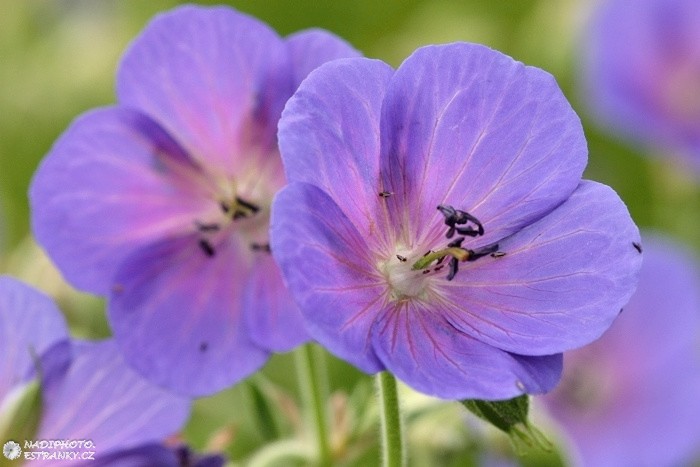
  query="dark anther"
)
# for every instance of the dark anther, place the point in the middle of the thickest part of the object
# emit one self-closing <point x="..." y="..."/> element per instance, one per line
<point x="202" y="227"/>
<point x="203" y="347"/>
<point x="242" y="209"/>
<point x="454" y="267"/>
<point x="637" y="246"/>
<point x="481" y="252"/>
<point x="260" y="247"/>
<point x="385" y="194"/>
<point x="469" y="231"/>
<point x="427" y="252"/>
<point x="426" y="271"/>
<point x="440" y="260"/>
<point x="207" y="247"/>
<point x="439" y="267"/>
<point x="456" y="243"/>
<point x="498" y="254"/>
<point x="448" y="211"/>
<point x="401" y="258"/>
<point x="455" y="217"/>
<point x="249" y="206"/>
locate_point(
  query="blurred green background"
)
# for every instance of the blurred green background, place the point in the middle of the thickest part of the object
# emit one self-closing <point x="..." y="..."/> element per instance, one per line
<point x="58" y="58"/>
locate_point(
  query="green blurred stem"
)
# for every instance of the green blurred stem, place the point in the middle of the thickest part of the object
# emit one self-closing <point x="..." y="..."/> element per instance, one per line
<point x="312" y="385"/>
<point x="390" y="416"/>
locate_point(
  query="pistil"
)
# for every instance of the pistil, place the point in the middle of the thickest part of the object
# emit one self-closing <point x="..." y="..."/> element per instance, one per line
<point x="454" y="218"/>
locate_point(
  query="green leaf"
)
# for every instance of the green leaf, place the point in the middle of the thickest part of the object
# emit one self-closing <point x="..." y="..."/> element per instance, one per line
<point x="511" y="417"/>
<point x="264" y="409"/>
<point x="22" y="408"/>
<point x="21" y="414"/>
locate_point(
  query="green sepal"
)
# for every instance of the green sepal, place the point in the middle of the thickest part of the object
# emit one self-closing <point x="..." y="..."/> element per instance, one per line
<point x="264" y="408"/>
<point x="21" y="414"/>
<point x="511" y="417"/>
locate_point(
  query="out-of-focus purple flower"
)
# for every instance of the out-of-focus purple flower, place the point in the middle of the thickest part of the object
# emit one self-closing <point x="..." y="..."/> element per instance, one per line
<point x="30" y="325"/>
<point x="642" y="70"/>
<point x="631" y="398"/>
<point x="87" y="391"/>
<point x="520" y="261"/>
<point x="162" y="202"/>
<point x="159" y="455"/>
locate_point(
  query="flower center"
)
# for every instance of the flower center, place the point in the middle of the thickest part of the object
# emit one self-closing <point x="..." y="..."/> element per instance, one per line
<point x="233" y="211"/>
<point x="404" y="282"/>
<point x="409" y="273"/>
<point x="466" y="225"/>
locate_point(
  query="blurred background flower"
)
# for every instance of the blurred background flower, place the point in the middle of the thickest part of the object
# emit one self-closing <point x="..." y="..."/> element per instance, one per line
<point x="631" y="398"/>
<point x="642" y="73"/>
<point x="161" y="203"/>
<point x="55" y="388"/>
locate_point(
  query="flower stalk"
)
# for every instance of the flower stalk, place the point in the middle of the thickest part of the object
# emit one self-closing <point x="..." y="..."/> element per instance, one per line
<point x="390" y="419"/>
<point x="313" y="389"/>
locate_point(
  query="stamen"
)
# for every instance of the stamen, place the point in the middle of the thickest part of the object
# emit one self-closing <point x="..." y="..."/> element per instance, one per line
<point x="455" y="217"/>
<point x="209" y="227"/>
<point x="239" y="209"/>
<point x="498" y="254"/>
<point x="265" y="247"/>
<point x="481" y="252"/>
<point x="469" y="231"/>
<point x="386" y="194"/>
<point x="403" y="259"/>
<point x="456" y="243"/>
<point x="207" y="247"/>
<point x="454" y="267"/>
<point x="246" y="205"/>
<point x="637" y="246"/>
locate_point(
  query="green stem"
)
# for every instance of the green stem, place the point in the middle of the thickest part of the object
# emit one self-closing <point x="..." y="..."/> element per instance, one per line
<point x="311" y="375"/>
<point x="390" y="415"/>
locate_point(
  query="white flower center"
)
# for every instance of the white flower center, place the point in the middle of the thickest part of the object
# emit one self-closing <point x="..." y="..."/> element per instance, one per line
<point x="404" y="282"/>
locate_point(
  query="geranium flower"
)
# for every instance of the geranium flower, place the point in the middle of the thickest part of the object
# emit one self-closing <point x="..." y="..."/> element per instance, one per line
<point x="87" y="391"/>
<point x="162" y="201"/>
<point x="160" y="455"/>
<point x="436" y="225"/>
<point x="642" y="70"/>
<point x="631" y="398"/>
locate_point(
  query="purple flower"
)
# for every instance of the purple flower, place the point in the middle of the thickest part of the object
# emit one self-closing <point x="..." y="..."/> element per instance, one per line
<point x="642" y="69"/>
<point x="158" y="455"/>
<point x="30" y="325"/>
<point x="88" y="392"/>
<point x="631" y="398"/>
<point x="436" y="224"/>
<point x="162" y="202"/>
